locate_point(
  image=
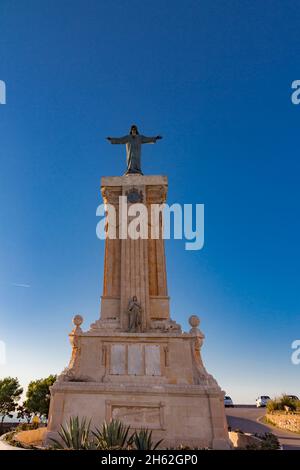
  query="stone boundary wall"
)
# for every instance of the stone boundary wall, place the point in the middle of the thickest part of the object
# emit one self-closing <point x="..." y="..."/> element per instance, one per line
<point x="283" y="420"/>
<point x="5" y="446"/>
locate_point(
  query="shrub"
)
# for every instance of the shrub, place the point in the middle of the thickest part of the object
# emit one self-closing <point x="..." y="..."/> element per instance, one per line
<point x="24" y="427"/>
<point x="268" y="442"/>
<point x="287" y="401"/>
<point x="279" y="404"/>
<point x="273" y="405"/>
<point x="10" y="439"/>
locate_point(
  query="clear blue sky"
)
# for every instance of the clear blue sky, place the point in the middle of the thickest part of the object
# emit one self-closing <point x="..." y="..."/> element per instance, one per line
<point x="214" y="79"/>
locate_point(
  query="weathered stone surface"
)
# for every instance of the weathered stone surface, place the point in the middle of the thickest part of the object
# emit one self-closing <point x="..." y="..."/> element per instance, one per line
<point x="137" y="416"/>
<point x="243" y="440"/>
<point x="117" y="359"/>
<point x="32" y="437"/>
<point x="152" y="359"/>
<point x="133" y="180"/>
<point x="135" y="359"/>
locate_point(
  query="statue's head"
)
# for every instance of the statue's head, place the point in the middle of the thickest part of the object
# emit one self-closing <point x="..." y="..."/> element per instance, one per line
<point x="134" y="298"/>
<point x="134" y="130"/>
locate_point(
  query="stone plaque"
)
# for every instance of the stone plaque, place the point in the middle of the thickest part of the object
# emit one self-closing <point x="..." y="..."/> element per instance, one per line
<point x="118" y="359"/>
<point x="152" y="359"/>
<point x="138" y="416"/>
<point x="135" y="359"/>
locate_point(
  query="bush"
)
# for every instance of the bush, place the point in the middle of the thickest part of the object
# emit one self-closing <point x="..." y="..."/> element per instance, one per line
<point x="287" y="401"/>
<point x="10" y="439"/>
<point x="268" y="442"/>
<point x="273" y="405"/>
<point x="24" y="427"/>
<point x="279" y="404"/>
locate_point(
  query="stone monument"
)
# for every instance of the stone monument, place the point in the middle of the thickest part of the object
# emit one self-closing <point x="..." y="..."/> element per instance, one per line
<point x="135" y="363"/>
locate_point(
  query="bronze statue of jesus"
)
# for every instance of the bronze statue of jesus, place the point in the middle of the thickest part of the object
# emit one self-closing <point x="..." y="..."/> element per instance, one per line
<point x="133" y="143"/>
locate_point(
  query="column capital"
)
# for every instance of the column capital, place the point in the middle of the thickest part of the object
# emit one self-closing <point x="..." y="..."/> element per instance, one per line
<point x="111" y="194"/>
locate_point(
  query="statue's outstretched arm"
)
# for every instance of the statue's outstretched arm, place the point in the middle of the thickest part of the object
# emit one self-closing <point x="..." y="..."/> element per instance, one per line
<point x="118" y="140"/>
<point x="150" y="140"/>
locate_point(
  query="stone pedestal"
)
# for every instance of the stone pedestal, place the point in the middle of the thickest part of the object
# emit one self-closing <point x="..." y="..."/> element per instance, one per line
<point x="151" y="376"/>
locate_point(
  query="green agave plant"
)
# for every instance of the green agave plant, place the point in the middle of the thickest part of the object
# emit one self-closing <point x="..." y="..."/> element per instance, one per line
<point x="142" y="440"/>
<point x="113" y="435"/>
<point x="74" y="435"/>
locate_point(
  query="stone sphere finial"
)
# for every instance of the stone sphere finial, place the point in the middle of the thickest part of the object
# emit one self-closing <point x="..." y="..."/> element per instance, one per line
<point x="194" y="321"/>
<point x="77" y="320"/>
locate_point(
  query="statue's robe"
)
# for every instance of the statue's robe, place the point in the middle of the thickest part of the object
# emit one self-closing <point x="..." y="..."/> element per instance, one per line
<point x="134" y="310"/>
<point x="133" y="150"/>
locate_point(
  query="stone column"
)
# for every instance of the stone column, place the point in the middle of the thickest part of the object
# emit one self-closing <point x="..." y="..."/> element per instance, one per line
<point x="135" y="267"/>
<point x="134" y="260"/>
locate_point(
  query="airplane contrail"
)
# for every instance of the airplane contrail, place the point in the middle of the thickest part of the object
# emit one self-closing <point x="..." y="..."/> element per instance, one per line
<point x="26" y="286"/>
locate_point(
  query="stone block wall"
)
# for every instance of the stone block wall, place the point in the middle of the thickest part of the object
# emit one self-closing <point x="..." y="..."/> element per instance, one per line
<point x="283" y="420"/>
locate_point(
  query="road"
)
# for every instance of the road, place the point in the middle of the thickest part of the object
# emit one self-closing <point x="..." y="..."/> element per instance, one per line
<point x="247" y="419"/>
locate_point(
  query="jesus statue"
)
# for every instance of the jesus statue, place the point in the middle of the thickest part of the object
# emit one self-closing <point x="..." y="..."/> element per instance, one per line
<point x="133" y="143"/>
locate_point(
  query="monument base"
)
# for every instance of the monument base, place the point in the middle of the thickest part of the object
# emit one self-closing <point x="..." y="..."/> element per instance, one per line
<point x="180" y="415"/>
<point x="154" y="380"/>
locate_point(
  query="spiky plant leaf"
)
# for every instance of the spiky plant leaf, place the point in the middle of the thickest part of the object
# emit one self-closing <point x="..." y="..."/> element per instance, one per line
<point x="142" y="440"/>
<point x="113" y="435"/>
<point x="74" y="435"/>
